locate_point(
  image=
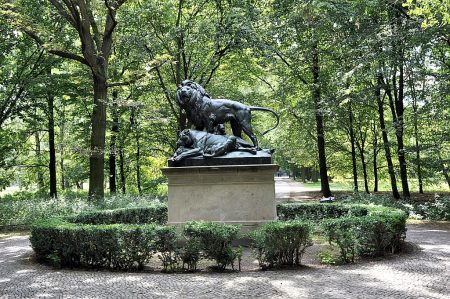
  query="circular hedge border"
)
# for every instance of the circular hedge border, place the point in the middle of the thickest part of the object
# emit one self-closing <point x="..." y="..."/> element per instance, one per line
<point x="128" y="238"/>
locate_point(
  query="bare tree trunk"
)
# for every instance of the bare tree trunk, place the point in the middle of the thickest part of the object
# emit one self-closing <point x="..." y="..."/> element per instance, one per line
<point x="122" y="170"/>
<point x="319" y="123"/>
<point x="61" y="144"/>
<point x="399" y="107"/>
<point x="51" y="143"/>
<point x="387" y="149"/>
<point x="112" y="145"/>
<point x="37" y="149"/>
<point x="375" y="154"/>
<point x="135" y="125"/>
<point x="352" y="142"/>
<point x="361" y="144"/>
<point x="98" y="120"/>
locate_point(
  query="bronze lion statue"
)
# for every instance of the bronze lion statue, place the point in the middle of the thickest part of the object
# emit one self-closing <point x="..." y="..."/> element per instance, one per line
<point x="192" y="143"/>
<point x="208" y="113"/>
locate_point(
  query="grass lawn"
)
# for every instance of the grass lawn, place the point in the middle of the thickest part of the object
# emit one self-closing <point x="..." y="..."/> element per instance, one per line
<point x="346" y="185"/>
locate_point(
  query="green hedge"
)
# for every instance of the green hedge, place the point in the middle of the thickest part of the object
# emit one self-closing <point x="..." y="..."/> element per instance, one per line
<point x="281" y="243"/>
<point x="318" y="211"/>
<point x="93" y="240"/>
<point x="74" y="241"/>
<point x="357" y="230"/>
<point x="215" y="240"/>
<point x="155" y="213"/>
<point x="118" y="246"/>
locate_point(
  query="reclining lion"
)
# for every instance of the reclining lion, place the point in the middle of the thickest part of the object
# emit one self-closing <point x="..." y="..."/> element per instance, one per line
<point x="192" y="143"/>
<point x="205" y="112"/>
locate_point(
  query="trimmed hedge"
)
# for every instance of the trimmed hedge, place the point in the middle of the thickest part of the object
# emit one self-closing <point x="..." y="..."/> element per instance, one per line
<point x="155" y="213"/>
<point x="74" y="242"/>
<point x="93" y="240"/>
<point x="118" y="246"/>
<point x="215" y="240"/>
<point x="318" y="211"/>
<point x="367" y="230"/>
<point x="281" y="243"/>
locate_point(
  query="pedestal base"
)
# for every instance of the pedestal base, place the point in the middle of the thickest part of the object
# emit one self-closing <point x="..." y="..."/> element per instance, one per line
<point x="240" y="194"/>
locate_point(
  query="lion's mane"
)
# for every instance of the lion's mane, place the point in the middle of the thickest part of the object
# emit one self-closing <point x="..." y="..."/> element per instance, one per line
<point x="196" y="105"/>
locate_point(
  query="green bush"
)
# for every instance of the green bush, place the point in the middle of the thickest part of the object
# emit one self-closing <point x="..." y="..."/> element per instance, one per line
<point x="341" y="231"/>
<point x="215" y="241"/>
<point x="317" y="211"/>
<point x="381" y="231"/>
<point x="25" y="208"/>
<point x="281" y="243"/>
<point x="167" y="247"/>
<point x="356" y="229"/>
<point x="118" y="246"/>
<point x="154" y="213"/>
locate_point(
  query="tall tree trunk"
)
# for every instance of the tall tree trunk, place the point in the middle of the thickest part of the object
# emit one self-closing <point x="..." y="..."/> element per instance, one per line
<point x="319" y="123"/>
<point x="112" y="145"/>
<point x="364" y="166"/>
<point x="375" y="154"/>
<point x="361" y="145"/>
<point x="352" y="142"/>
<point x="122" y="170"/>
<point x="61" y="126"/>
<point x="398" y="51"/>
<point x="399" y="131"/>
<point x="135" y="125"/>
<point x="416" y="127"/>
<point x="37" y="149"/>
<point x="416" y="137"/>
<point x="98" y="121"/>
<point x="138" y="165"/>
<point x="51" y="143"/>
<point x="387" y="149"/>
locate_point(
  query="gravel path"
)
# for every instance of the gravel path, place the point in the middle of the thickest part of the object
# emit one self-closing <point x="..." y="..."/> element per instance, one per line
<point x="422" y="274"/>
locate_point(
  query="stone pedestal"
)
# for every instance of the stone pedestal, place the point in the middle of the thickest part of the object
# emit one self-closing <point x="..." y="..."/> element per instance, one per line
<point x="239" y="194"/>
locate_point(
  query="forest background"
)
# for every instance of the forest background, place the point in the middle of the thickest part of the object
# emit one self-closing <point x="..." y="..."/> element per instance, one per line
<point x="87" y="89"/>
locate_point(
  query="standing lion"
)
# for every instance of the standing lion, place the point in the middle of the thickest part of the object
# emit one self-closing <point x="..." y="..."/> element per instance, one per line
<point x="205" y="112"/>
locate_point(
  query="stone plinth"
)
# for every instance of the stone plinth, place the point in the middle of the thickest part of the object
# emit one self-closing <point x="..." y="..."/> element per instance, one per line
<point x="240" y="194"/>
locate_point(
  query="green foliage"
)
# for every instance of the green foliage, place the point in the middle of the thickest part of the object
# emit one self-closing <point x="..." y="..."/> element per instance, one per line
<point x="381" y="231"/>
<point x="117" y="246"/>
<point x="166" y="245"/>
<point x="356" y="229"/>
<point x="190" y="254"/>
<point x="155" y="213"/>
<point x="342" y="232"/>
<point x="439" y="209"/>
<point x="327" y="257"/>
<point x="23" y="210"/>
<point x="215" y="241"/>
<point x="281" y="243"/>
<point x="317" y="211"/>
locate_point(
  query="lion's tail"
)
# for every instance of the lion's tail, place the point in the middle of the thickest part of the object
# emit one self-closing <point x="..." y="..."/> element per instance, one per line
<point x="271" y="111"/>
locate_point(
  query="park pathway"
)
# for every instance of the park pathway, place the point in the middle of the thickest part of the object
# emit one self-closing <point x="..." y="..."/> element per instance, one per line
<point x="287" y="189"/>
<point x="424" y="273"/>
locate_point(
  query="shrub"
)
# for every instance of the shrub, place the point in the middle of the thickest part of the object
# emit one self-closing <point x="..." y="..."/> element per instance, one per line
<point x="166" y="246"/>
<point x="381" y="231"/>
<point x="281" y="243"/>
<point x="215" y="241"/>
<point x="118" y="246"/>
<point x="342" y="232"/>
<point x="22" y="209"/>
<point x="190" y="254"/>
<point x="318" y="211"/>
<point x="155" y="213"/>
<point x="439" y="209"/>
